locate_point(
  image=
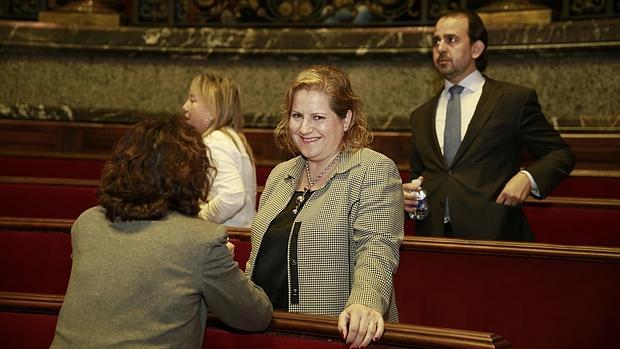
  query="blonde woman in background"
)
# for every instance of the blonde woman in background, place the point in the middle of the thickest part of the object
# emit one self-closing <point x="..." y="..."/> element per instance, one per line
<point x="214" y="109"/>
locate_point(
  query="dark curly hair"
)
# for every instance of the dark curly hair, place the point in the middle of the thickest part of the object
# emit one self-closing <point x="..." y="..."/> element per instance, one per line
<point x="159" y="165"/>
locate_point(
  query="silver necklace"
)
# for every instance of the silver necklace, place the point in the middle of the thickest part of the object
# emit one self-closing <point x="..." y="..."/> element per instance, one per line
<point x="301" y="197"/>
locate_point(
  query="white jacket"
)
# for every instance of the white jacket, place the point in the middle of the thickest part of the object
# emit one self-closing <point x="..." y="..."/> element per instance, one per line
<point x="232" y="199"/>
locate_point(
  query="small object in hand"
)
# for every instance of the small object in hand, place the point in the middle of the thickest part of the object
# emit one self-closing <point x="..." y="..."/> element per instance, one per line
<point x="424" y="205"/>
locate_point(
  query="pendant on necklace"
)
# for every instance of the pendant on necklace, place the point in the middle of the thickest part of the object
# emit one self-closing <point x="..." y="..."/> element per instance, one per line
<point x="300" y="199"/>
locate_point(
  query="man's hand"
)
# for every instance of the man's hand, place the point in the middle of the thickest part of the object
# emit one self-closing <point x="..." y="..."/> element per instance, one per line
<point x="410" y="193"/>
<point x="515" y="191"/>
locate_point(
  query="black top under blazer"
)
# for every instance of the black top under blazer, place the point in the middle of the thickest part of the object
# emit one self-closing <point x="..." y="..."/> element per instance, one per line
<point x="344" y="244"/>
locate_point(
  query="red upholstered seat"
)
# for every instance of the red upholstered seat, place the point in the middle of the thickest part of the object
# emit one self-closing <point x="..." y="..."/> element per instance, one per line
<point x="262" y="172"/>
<point x="533" y="301"/>
<point x="589" y="187"/>
<point x="27" y="166"/>
<point x="26" y="330"/>
<point x="242" y="251"/>
<point x="567" y="293"/>
<point x="37" y="262"/>
<point x="46" y="200"/>
<point x="575" y="225"/>
<point x="567" y="225"/>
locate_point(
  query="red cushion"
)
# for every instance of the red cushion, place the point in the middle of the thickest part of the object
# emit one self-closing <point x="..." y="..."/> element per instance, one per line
<point x="532" y="302"/>
<point x="575" y="225"/>
<point x="47" y="201"/>
<point x="242" y="252"/>
<point x="24" y="330"/>
<point x="25" y="166"/>
<point x="37" y="262"/>
<point x="262" y="172"/>
<point x="589" y="186"/>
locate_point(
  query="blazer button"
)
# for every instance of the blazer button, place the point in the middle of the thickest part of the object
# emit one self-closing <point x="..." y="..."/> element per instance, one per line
<point x="293" y="262"/>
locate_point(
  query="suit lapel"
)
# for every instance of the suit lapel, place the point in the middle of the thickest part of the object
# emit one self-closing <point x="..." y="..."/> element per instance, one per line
<point x="488" y="99"/>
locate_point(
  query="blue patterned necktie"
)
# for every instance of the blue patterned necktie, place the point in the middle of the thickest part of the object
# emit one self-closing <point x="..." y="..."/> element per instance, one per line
<point x="452" y="131"/>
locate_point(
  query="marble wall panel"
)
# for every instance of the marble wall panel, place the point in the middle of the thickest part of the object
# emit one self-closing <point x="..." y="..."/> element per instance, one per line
<point x="110" y="75"/>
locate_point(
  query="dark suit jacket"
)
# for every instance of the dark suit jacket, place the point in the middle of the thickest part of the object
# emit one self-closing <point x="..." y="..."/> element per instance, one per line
<point x="507" y="119"/>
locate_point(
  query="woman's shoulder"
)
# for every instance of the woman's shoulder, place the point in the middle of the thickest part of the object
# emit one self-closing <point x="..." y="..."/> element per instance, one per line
<point x="225" y="139"/>
<point x="191" y="222"/>
<point x="92" y="214"/>
<point x="218" y="136"/>
<point x="194" y="227"/>
<point x="287" y="166"/>
<point x="370" y="156"/>
<point x="284" y="170"/>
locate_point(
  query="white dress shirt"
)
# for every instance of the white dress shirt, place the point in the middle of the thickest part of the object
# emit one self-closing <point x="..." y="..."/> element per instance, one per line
<point x="469" y="100"/>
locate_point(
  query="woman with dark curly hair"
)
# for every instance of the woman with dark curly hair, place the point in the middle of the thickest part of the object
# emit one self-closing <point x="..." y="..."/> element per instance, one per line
<point x="145" y="268"/>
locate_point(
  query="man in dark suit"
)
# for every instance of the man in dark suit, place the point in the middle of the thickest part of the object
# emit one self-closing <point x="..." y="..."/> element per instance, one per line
<point x="470" y="163"/>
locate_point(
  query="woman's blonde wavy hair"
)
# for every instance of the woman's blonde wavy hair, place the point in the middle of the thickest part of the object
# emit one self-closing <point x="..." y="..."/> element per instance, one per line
<point x="222" y="94"/>
<point x="335" y="83"/>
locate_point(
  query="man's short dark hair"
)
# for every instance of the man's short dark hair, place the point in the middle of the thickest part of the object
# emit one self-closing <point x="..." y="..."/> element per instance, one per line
<point x="476" y="31"/>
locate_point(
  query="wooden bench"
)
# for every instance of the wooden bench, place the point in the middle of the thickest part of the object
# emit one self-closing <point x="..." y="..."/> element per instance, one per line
<point x="29" y="321"/>
<point x="597" y="172"/>
<point x="581" y="183"/>
<point x="568" y="220"/>
<point x="522" y="290"/>
<point x="67" y="166"/>
<point x="569" y="293"/>
<point x="562" y="220"/>
<point x="46" y="197"/>
<point x="575" y="220"/>
<point x="72" y="166"/>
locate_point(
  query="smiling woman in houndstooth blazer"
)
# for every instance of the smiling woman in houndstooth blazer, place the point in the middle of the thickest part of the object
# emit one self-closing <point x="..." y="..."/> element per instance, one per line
<point x="329" y="226"/>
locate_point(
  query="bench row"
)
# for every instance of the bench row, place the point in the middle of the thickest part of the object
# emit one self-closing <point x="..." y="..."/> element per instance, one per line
<point x="28" y="321"/>
<point x="581" y="183"/>
<point x="518" y="290"/>
<point x="594" y="150"/>
<point x="562" y="220"/>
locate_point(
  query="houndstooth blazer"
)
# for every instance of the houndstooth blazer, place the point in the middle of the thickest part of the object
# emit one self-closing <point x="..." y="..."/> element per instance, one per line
<point x="344" y="244"/>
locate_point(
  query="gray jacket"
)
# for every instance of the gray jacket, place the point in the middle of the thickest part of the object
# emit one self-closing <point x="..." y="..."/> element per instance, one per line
<point x="149" y="284"/>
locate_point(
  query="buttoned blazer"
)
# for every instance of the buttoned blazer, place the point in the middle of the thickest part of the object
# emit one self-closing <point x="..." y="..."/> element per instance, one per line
<point x="344" y="243"/>
<point x="507" y="119"/>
